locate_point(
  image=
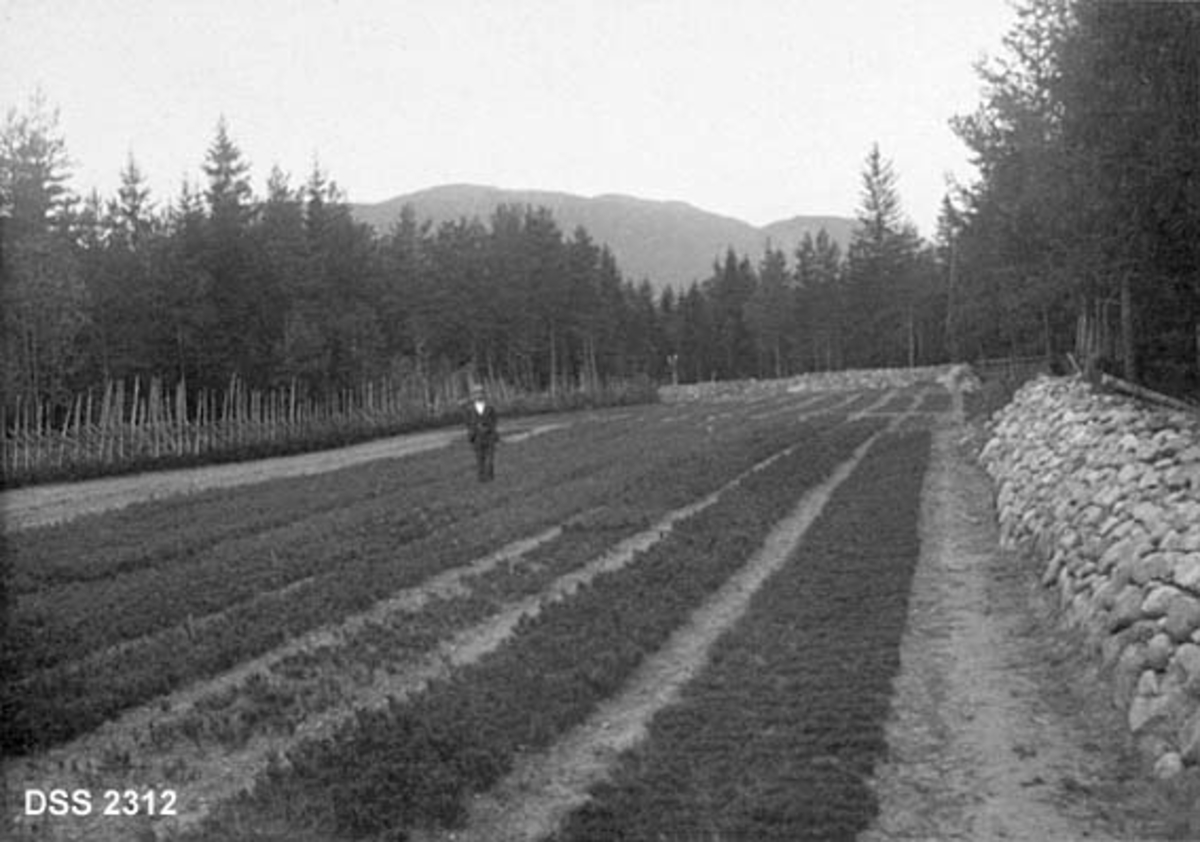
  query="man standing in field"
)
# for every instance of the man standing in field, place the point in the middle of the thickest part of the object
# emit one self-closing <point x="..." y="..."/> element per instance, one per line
<point x="482" y="433"/>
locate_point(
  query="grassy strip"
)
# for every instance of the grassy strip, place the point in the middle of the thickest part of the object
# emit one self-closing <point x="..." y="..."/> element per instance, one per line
<point x="56" y="705"/>
<point x="416" y="762"/>
<point x="777" y="737"/>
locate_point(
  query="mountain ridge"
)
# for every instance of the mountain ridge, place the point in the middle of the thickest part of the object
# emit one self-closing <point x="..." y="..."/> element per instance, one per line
<point x="668" y="242"/>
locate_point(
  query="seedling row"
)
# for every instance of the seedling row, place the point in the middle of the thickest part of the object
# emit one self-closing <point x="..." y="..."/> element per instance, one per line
<point x="777" y="738"/>
<point x="417" y="762"/>
<point x="178" y="605"/>
<point x="234" y="620"/>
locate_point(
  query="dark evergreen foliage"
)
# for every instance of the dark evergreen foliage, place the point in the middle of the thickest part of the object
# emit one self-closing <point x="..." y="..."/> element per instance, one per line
<point x="290" y="288"/>
<point x="1083" y="233"/>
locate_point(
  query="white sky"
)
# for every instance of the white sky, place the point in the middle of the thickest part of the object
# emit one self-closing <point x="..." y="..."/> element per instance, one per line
<point x="756" y="109"/>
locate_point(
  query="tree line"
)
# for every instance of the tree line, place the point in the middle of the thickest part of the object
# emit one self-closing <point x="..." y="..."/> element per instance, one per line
<point x="1082" y="233"/>
<point x="879" y="303"/>
<point x="288" y="288"/>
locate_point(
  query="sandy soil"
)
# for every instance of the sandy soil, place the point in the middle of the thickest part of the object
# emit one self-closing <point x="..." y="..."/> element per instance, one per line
<point x="998" y="732"/>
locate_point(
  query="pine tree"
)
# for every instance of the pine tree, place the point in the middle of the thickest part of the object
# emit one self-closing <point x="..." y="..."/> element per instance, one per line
<point x="133" y="210"/>
<point x="43" y="296"/>
<point x="248" y="323"/>
<point x="768" y="313"/>
<point x="696" y="336"/>
<point x="546" y="259"/>
<point x="124" y="283"/>
<point x="282" y="235"/>
<point x="228" y="193"/>
<point x="729" y="291"/>
<point x="583" y="297"/>
<point x="819" y="301"/>
<point x="880" y="270"/>
<point x="406" y="261"/>
<point x="343" y="273"/>
<point x="1016" y="221"/>
<point x="1129" y="98"/>
<point x="34" y="171"/>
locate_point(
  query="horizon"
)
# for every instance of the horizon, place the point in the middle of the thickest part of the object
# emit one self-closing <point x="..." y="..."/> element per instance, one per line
<point x="564" y="193"/>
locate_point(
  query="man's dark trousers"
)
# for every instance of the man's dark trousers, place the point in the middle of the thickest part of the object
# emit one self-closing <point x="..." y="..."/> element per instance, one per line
<point x="485" y="459"/>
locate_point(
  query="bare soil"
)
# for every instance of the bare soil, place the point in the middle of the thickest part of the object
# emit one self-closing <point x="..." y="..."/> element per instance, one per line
<point x="1000" y="730"/>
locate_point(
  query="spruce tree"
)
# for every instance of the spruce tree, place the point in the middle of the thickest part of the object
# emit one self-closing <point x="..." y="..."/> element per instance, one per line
<point x="880" y="269"/>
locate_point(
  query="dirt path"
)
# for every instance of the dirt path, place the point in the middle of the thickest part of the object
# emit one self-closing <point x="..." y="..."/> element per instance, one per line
<point x="42" y="505"/>
<point x="987" y="741"/>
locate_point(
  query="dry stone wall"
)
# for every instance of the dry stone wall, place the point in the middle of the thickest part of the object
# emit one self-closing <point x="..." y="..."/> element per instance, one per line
<point x="951" y="376"/>
<point x="1105" y="492"/>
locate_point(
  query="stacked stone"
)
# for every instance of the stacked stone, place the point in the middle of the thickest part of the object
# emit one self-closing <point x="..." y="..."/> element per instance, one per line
<point x="826" y="381"/>
<point x="884" y="378"/>
<point x="1106" y="492"/>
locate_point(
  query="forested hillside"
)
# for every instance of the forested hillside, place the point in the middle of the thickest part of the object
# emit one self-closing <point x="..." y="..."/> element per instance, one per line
<point x="667" y="243"/>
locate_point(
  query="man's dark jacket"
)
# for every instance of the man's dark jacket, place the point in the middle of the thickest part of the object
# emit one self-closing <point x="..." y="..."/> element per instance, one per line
<point x="481" y="426"/>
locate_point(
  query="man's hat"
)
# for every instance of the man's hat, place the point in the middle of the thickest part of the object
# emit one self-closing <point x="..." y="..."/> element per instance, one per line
<point x="476" y="390"/>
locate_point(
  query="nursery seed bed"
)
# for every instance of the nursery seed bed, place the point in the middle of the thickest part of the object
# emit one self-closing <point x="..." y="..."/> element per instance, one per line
<point x="110" y="756"/>
<point x="419" y="760"/>
<point x="174" y="534"/>
<point x="47" y="704"/>
<point x="56" y="503"/>
<point x="776" y="738"/>
<point x="544" y="787"/>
